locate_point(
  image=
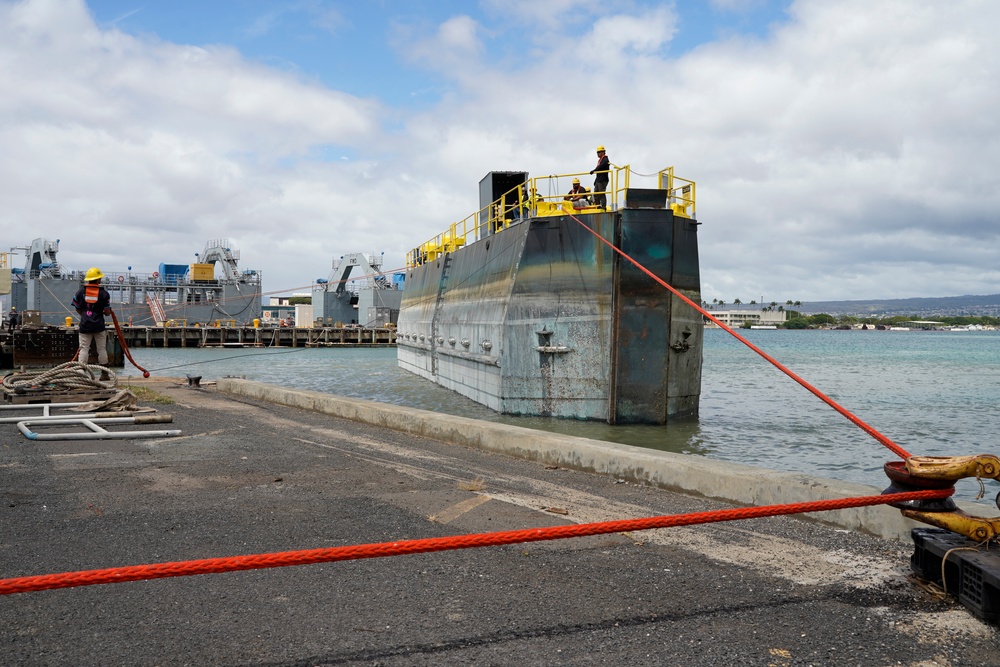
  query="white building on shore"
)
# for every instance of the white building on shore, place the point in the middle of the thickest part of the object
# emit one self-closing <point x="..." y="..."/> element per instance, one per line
<point x="755" y="317"/>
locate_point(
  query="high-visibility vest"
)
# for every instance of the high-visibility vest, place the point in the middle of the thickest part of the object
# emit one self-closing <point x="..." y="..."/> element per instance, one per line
<point x="91" y="293"/>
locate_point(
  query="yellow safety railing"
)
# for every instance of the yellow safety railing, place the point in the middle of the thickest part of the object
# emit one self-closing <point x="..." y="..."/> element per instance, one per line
<point x="528" y="201"/>
<point x="4" y="260"/>
<point x="680" y="192"/>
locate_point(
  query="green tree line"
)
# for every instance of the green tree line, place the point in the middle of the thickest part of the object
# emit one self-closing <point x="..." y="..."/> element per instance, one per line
<point x="796" y="320"/>
<point x="799" y="321"/>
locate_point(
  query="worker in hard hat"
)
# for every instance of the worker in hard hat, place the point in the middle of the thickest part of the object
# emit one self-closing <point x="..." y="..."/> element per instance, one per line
<point x="577" y="194"/>
<point x="93" y="302"/>
<point x="603" y="175"/>
<point x="531" y="201"/>
<point x="13" y="319"/>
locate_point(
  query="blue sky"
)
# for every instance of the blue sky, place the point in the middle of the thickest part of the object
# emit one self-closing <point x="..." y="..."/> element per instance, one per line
<point x="354" y="47"/>
<point x="842" y="150"/>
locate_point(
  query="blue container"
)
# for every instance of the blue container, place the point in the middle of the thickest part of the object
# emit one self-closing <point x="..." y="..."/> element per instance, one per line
<point x="171" y="274"/>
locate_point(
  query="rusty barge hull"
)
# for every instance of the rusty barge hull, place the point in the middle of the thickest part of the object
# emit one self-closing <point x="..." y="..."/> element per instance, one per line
<point x="542" y="318"/>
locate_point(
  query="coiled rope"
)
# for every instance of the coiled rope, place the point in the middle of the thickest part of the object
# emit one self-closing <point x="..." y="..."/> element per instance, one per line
<point x="70" y="375"/>
<point x="408" y="547"/>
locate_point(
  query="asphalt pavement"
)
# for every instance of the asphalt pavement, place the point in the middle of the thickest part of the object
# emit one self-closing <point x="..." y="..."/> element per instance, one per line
<point x="249" y="476"/>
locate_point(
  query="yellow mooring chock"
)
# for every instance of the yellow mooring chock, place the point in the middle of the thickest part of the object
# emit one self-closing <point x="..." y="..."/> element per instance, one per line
<point x="941" y="472"/>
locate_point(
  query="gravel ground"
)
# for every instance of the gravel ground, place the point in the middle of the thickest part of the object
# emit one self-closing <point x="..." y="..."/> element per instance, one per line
<point x="250" y="478"/>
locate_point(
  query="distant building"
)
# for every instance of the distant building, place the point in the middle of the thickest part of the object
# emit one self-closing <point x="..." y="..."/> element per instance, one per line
<point x="280" y="309"/>
<point x="275" y="313"/>
<point x="285" y="300"/>
<point x="735" y="319"/>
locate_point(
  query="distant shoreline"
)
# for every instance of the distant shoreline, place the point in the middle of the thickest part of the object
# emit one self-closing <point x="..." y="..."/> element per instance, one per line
<point x="928" y="307"/>
<point x="970" y="305"/>
<point x="944" y="328"/>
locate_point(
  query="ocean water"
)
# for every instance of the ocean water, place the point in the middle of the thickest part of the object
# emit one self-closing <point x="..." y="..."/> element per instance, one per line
<point x="933" y="393"/>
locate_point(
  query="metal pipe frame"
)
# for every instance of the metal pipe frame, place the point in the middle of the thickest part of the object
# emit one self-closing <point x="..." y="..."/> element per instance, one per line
<point x="95" y="431"/>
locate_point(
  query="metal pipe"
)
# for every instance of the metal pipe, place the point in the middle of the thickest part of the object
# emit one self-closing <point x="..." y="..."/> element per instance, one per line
<point x="44" y="406"/>
<point x="46" y="417"/>
<point x="96" y="432"/>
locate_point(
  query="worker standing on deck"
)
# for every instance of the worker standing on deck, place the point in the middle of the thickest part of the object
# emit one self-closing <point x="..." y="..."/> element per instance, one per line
<point x="530" y="203"/>
<point x="577" y="194"/>
<point x="13" y="319"/>
<point x="602" y="170"/>
<point x="93" y="302"/>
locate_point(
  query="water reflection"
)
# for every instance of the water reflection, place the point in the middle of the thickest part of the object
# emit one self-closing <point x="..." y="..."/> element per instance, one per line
<point x="680" y="437"/>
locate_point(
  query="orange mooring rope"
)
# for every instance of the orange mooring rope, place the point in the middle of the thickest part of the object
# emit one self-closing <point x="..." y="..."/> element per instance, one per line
<point x="121" y="339"/>
<point x="870" y="430"/>
<point x="407" y="547"/>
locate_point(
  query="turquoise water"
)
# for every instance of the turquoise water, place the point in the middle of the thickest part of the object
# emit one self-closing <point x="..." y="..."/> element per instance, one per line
<point x="933" y="393"/>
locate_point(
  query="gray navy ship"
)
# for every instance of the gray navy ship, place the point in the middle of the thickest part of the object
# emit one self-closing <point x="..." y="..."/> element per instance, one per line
<point x="175" y="294"/>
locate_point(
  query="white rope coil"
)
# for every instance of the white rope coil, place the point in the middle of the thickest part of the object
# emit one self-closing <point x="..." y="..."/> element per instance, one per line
<point x="71" y="375"/>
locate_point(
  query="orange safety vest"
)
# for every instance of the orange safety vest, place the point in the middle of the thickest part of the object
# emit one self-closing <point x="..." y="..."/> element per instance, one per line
<point x="91" y="293"/>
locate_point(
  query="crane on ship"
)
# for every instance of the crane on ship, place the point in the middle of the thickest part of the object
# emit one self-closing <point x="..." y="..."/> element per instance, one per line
<point x="40" y="259"/>
<point x="357" y="293"/>
<point x="219" y="251"/>
<point x="370" y="266"/>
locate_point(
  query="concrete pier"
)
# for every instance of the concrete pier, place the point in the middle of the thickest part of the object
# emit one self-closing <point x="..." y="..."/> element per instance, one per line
<point x="249" y="336"/>
<point x="720" y="480"/>
<point x="254" y="474"/>
<point x="50" y="345"/>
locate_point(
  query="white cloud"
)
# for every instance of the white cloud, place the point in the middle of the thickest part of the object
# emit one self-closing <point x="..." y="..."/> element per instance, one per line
<point x="640" y="34"/>
<point x="455" y="47"/>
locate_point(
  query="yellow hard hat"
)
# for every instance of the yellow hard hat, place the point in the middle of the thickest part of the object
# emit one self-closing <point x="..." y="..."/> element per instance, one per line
<point x="93" y="273"/>
<point x="576" y="181"/>
<point x="600" y="149"/>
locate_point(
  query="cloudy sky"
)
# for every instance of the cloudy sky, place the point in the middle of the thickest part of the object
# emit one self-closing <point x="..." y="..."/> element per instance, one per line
<point x="842" y="149"/>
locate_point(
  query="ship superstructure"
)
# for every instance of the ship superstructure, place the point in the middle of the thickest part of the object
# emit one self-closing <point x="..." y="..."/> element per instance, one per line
<point x="370" y="299"/>
<point x="182" y="294"/>
<point x="522" y="308"/>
